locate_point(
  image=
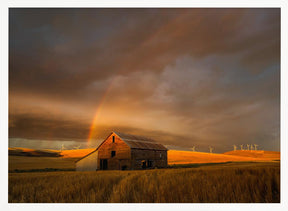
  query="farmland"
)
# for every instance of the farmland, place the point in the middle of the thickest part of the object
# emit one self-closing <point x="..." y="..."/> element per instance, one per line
<point x="32" y="163"/>
<point x="17" y="162"/>
<point x="237" y="176"/>
<point x="186" y="157"/>
<point x="230" y="182"/>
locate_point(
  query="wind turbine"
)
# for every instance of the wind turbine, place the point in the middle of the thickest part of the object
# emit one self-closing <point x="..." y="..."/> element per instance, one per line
<point x="235" y="147"/>
<point x="251" y="148"/>
<point x="62" y="147"/>
<point x="193" y="148"/>
<point x="255" y="146"/>
<point x="211" y="149"/>
<point x="248" y="146"/>
<point x="241" y="146"/>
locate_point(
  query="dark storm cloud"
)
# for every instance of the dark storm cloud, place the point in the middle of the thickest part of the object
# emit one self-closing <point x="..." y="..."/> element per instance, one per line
<point x="205" y="75"/>
<point x="221" y="104"/>
<point x="62" y="51"/>
<point x="39" y="127"/>
<point x="44" y="128"/>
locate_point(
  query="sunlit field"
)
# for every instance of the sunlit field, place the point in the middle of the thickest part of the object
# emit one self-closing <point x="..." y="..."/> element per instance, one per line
<point x="76" y="153"/>
<point x="236" y="176"/>
<point x="175" y="157"/>
<point x="17" y="163"/>
<point x="231" y="182"/>
<point x="185" y="157"/>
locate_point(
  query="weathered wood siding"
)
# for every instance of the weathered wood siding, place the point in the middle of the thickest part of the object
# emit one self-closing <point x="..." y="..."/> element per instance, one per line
<point x="122" y="158"/>
<point x="88" y="163"/>
<point x="157" y="158"/>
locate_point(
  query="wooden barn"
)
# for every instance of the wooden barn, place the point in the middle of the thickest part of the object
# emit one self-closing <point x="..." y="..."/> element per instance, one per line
<point x="121" y="151"/>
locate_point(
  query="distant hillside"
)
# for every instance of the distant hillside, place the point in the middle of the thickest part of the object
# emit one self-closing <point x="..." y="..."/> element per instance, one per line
<point x="185" y="157"/>
<point x="76" y="153"/>
<point x="260" y="154"/>
<point x="174" y="156"/>
<point x="17" y="151"/>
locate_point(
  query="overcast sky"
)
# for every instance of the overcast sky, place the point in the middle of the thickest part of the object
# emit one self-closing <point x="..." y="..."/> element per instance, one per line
<point x="185" y="77"/>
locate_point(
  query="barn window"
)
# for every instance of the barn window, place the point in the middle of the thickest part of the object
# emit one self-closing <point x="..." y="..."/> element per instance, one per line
<point x="113" y="153"/>
<point x="113" y="139"/>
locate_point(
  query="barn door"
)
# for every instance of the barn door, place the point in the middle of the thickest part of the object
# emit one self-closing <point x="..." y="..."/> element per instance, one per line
<point x="103" y="164"/>
<point x="143" y="164"/>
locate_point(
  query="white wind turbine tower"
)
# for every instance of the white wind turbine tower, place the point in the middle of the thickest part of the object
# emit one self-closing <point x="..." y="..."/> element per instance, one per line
<point x="62" y="147"/>
<point x="241" y="146"/>
<point x="211" y="149"/>
<point x="248" y="146"/>
<point x="193" y="148"/>
<point x="251" y="147"/>
<point x="235" y="147"/>
<point x="255" y="146"/>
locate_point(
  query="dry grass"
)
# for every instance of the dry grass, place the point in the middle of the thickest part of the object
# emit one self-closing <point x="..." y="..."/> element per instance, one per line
<point x="247" y="182"/>
<point x="28" y="163"/>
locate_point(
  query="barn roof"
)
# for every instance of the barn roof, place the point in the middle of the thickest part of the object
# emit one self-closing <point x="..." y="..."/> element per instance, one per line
<point x="140" y="142"/>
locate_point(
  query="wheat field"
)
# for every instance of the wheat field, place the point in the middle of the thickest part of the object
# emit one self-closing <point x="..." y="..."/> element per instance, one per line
<point x="222" y="183"/>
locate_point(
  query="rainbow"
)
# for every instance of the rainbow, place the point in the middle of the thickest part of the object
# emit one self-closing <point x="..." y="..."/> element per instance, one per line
<point x="98" y="111"/>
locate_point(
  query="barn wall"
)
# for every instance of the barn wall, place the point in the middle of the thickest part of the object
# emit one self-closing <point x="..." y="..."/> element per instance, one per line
<point x="158" y="158"/>
<point x="88" y="163"/>
<point x="122" y="159"/>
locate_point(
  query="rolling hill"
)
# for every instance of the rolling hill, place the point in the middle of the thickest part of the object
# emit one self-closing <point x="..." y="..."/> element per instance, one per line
<point x="18" y="151"/>
<point x="76" y="153"/>
<point x="185" y="157"/>
<point x="41" y="159"/>
<point x="259" y="154"/>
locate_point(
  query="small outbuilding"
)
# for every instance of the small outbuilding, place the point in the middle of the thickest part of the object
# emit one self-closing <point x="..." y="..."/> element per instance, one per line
<point x="121" y="151"/>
